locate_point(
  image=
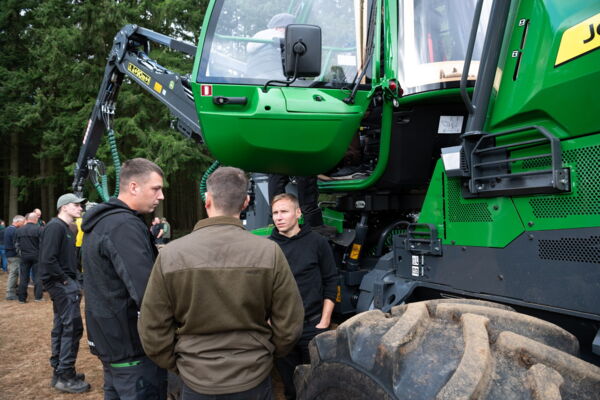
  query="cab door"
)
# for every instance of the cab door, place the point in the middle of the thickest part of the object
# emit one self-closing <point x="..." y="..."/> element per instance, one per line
<point x="302" y="128"/>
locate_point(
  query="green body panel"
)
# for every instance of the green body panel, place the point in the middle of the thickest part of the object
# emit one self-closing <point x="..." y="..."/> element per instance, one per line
<point x="559" y="98"/>
<point x="433" y="206"/>
<point x="581" y="207"/>
<point x="292" y="131"/>
<point x="334" y="218"/>
<point x="264" y="231"/>
<point x="562" y="98"/>
<point x="491" y="222"/>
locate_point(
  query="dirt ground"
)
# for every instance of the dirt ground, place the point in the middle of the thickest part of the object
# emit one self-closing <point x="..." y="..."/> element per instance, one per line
<point x="25" y="349"/>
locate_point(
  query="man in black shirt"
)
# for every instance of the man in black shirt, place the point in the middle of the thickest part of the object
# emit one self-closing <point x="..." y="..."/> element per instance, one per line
<point x="28" y="242"/>
<point x="59" y="275"/>
<point x="157" y="231"/>
<point x="313" y="266"/>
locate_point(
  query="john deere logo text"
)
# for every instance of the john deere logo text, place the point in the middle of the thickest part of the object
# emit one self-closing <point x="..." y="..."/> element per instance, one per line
<point x="139" y="73"/>
<point x="579" y="40"/>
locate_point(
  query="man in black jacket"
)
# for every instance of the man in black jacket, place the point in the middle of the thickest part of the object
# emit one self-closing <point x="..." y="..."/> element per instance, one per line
<point x="58" y="273"/>
<point x="118" y="253"/>
<point x="313" y="266"/>
<point x="28" y="242"/>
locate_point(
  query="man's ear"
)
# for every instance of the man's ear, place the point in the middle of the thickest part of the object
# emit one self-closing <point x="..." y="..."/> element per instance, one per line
<point x="246" y="202"/>
<point x="298" y="212"/>
<point x="208" y="200"/>
<point x="133" y="187"/>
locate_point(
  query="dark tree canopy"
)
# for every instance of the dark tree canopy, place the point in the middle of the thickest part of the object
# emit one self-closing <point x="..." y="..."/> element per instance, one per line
<point x="52" y="60"/>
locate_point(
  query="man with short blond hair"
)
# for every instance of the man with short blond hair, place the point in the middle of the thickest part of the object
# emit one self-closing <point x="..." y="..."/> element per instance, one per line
<point x="118" y="252"/>
<point x="221" y="302"/>
<point x="313" y="266"/>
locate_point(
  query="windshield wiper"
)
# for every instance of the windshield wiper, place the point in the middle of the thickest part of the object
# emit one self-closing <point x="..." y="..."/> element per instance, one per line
<point x="368" y="56"/>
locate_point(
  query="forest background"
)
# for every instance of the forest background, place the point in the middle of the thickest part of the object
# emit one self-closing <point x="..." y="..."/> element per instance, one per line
<point x="52" y="58"/>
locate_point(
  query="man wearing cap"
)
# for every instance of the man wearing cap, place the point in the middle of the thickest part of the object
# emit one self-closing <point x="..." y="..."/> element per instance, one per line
<point x="264" y="58"/>
<point x="59" y="275"/>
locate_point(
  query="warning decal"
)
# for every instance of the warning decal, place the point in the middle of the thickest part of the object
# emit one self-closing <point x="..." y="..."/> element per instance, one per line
<point x="206" y="90"/>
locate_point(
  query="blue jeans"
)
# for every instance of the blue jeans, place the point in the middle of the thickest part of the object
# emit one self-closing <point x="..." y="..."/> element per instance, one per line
<point x="4" y="260"/>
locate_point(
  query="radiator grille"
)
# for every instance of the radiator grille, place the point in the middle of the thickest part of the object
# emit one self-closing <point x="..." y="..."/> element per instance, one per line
<point x="585" y="250"/>
<point x="461" y="212"/>
<point x="585" y="166"/>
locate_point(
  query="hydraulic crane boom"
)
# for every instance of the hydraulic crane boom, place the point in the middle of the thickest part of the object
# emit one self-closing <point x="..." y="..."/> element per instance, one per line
<point x="129" y="56"/>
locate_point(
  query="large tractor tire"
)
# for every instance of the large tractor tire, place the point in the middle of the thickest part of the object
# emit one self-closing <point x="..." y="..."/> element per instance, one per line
<point x="446" y="350"/>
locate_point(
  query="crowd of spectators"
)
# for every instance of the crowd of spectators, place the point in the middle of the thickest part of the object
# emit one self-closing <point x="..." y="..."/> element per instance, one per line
<point x="208" y="315"/>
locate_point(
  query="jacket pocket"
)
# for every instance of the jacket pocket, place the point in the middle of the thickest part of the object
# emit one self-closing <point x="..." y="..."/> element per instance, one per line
<point x="114" y="338"/>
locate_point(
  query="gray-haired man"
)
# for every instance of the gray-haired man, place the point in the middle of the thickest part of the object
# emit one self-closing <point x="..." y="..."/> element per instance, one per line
<point x="12" y="256"/>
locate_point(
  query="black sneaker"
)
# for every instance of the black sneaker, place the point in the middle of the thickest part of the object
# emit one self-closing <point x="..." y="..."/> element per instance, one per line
<point x="54" y="379"/>
<point x="71" y="385"/>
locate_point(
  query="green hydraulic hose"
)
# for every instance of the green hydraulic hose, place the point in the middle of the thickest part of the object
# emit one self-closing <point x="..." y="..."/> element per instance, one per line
<point x="102" y="186"/>
<point x="100" y="191"/>
<point x="209" y="171"/>
<point x="116" y="161"/>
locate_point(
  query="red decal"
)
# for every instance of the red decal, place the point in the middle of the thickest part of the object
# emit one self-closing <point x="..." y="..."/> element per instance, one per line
<point x="206" y="90"/>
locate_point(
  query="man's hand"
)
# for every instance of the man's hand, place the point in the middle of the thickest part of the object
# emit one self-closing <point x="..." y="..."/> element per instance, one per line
<point x="326" y="315"/>
<point x="323" y="324"/>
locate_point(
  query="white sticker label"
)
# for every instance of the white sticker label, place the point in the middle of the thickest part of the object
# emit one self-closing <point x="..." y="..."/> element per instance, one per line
<point x="346" y="60"/>
<point x="450" y="124"/>
<point x="416" y="271"/>
<point x="415" y="260"/>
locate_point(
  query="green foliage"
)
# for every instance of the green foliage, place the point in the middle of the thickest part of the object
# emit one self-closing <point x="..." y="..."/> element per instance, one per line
<point x="52" y="61"/>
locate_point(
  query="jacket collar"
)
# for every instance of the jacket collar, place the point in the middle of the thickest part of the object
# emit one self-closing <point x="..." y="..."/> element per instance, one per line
<point x="203" y="223"/>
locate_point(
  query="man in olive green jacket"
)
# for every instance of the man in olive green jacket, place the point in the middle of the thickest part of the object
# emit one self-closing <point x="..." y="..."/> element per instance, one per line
<point x="221" y="302"/>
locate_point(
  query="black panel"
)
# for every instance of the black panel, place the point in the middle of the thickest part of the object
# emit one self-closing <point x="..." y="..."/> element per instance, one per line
<point x="415" y="145"/>
<point x="557" y="270"/>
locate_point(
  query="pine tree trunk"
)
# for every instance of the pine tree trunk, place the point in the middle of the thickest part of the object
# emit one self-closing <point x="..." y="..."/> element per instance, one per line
<point x="51" y="198"/>
<point x="159" y="211"/>
<point x="44" y="189"/>
<point x="5" y="187"/>
<point x="13" y="194"/>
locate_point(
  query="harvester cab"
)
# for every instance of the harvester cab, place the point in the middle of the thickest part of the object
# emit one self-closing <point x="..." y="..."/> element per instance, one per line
<point x="303" y="123"/>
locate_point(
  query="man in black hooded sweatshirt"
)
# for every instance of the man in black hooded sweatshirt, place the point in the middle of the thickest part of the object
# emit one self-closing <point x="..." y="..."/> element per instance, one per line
<point x="313" y="266"/>
<point x="118" y="253"/>
<point x="59" y="275"/>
